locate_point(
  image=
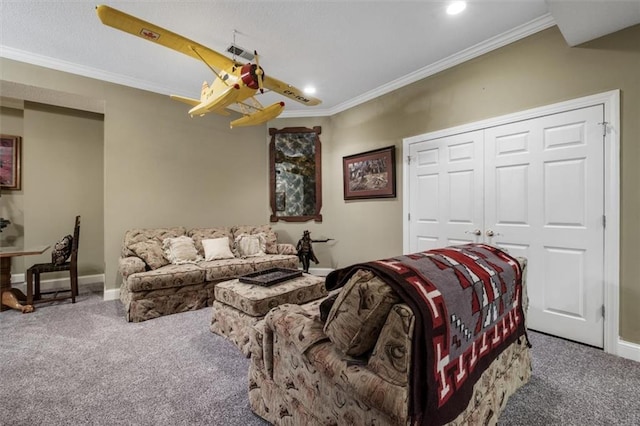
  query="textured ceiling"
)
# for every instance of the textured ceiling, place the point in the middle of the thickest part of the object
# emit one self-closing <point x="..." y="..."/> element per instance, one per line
<point x="351" y="51"/>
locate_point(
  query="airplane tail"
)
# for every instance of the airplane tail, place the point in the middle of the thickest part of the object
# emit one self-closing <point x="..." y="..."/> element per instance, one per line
<point x="189" y="101"/>
<point x="193" y="102"/>
<point x="203" y="92"/>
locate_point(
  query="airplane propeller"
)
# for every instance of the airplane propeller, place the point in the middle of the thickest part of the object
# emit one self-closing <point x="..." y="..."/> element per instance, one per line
<point x="259" y="72"/>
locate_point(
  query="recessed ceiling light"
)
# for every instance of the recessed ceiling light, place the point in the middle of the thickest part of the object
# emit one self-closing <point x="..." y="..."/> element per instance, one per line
<point x="456" y="7"/>
<point x="309" y="90"/>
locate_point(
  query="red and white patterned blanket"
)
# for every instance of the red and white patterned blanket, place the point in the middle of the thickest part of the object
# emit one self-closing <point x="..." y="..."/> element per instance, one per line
<point x="467" y="302"/>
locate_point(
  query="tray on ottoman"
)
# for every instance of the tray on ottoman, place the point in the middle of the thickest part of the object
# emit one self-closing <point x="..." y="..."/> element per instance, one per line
<point x="270" y="277"/>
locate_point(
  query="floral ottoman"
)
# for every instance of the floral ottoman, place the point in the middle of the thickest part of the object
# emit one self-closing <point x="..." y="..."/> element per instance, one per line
<point x="238" y="306"/>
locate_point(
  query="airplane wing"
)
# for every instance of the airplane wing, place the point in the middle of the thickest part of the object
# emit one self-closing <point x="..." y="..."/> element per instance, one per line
<point x="132" y="25"/>
<point x="289" y="91"/>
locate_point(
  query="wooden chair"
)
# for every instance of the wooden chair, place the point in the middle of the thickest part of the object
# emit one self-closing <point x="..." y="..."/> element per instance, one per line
<point x="33" y="274"/>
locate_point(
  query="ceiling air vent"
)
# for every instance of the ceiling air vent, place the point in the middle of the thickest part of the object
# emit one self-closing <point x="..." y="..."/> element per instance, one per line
<point x="239" y="51"/>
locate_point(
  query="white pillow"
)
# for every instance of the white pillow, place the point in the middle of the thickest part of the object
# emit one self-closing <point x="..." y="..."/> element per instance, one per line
<point x="180" y="250"/>
<point x="217" y="248"/>
<point x="246" y="245"/>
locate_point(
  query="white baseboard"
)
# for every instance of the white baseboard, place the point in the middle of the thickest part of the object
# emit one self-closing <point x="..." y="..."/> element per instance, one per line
<point x="629" y="350"/>
<point x="320" y="272"/>
<point x="111" y="294"/>
<point x="18" y="281"/>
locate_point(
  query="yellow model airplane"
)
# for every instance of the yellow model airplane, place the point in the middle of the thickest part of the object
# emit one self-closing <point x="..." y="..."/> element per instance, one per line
<point x="236" y="83"/>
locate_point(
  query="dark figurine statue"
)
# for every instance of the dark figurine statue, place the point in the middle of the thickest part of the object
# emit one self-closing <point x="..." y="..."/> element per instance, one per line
<point x="305" y="251"/>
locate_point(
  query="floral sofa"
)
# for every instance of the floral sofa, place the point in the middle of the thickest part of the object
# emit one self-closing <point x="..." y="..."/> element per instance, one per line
<point x="170" y="270"/>
<point x="300" y="374"/>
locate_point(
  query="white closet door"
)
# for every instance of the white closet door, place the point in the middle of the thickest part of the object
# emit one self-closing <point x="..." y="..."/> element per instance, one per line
<point x="545" y="200"/>
<point x="446" y="184"/>
<point x="537" y="187"/>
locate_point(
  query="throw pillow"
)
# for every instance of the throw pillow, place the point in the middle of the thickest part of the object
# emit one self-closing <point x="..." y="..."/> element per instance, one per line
<point x="136" y="235"/>
<point x="359" y="312"/>
<point x="270" y="236"/>
<point x="180" y="250"/>
<point x="151" y="252"/>
<point x="199" y="234"/>
<point x="249" y="245"/>
<point x="271" y="242"/>
<point x="62" y="250"/>
<point x="217" y="248"/>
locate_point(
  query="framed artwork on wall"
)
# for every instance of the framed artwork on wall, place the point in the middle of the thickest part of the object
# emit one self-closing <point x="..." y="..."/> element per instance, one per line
<point x="370" y="174"/>
<point x="295" y="174"/>
<point x="10" y="162"/>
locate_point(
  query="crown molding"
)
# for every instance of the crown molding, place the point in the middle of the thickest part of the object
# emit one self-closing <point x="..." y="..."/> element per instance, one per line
<point x="81" y="70"/>
<point x="302" y="113"/>
<point x="518" y="33"/>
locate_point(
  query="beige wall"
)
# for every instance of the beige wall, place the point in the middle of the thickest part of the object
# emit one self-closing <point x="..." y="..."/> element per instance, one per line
<point x="162" y="168"/>
<point x="11" y="202"/>
<point x="62" y="177"/>
<point x="536" y="71"/>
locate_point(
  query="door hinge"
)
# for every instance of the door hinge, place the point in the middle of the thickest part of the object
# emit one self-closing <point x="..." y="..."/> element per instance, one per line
<point x="602" y="311"/>
<point x="605" y="125"/>
<point x="604" y="221"/>
<point x="408" y="159"/>
<point x="409" y="217"/>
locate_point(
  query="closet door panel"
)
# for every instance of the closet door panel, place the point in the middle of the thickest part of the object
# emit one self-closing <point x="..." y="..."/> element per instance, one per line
<point x="446" y="191"/>
<point x="544" y="199"/>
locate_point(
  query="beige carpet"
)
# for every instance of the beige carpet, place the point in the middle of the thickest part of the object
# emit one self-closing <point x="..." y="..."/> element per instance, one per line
<point x="83" y="364"/>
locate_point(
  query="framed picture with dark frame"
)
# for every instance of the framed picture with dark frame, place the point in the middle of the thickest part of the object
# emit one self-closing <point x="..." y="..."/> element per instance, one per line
<point x="10" y="162"/>
<point x="295" y="174"/>
<point x="370" y="174"/>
